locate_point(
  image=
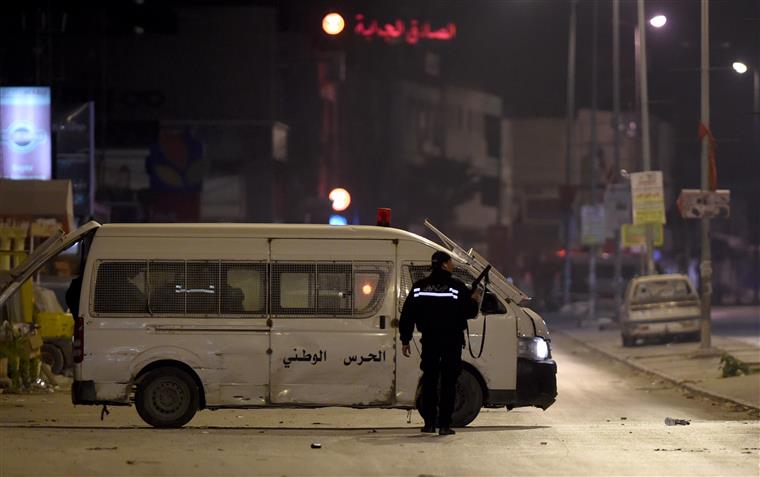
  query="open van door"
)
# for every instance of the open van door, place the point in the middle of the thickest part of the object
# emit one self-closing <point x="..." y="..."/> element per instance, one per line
<point x="54" y="245"/>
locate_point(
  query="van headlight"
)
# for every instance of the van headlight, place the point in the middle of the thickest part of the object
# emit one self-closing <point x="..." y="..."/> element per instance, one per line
<point x="534" y="348"/>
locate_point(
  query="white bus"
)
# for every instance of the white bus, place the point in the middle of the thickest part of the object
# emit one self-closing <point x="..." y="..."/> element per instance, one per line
<point x="175" y="318"/>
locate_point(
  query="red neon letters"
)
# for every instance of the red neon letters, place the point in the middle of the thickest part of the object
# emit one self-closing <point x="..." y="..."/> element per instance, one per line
<point x="412" y="33"/>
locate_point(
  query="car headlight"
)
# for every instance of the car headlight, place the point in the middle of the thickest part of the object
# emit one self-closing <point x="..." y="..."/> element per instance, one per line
<point x="534" y="348"/>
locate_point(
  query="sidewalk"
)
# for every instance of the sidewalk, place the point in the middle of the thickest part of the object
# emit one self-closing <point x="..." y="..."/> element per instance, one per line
<point x="679" y="363"/>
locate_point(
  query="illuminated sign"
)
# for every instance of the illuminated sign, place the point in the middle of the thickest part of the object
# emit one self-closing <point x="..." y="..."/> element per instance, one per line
<point x="412" y="33"/>
<point x="25" y="133"/>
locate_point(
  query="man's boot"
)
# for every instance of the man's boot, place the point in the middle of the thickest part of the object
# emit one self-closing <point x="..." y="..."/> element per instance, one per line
<point x="446" y="431"/>
<point x="428" y="429"/>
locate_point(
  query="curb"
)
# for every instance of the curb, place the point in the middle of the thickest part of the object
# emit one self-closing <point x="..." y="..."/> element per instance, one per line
<point x="670" y="379"/>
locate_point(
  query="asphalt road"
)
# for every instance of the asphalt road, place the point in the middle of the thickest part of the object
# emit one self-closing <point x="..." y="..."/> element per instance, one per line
<point x="739" y="322"/>
<point x="609" y="420"/>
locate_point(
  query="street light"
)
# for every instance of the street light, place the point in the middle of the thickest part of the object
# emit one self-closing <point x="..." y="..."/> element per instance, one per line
<point x="658" y="21"/>
<point x="333" y="23"/>
<point x="739" y="67"/>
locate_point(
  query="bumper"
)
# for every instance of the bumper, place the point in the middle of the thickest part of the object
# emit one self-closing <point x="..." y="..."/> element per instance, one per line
<point x="661" y="328"/>
<point x="83" y="392"/>
<point x="87" y="392"/>
<point x="536" y="383"/>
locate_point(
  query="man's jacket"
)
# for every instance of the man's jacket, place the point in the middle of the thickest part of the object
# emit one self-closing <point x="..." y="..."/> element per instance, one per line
<point x="439" y="306"/>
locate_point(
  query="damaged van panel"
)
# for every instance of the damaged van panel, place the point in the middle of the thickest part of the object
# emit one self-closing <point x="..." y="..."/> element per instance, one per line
<point x="312" y="366"/>
<point x="112" y="392"/>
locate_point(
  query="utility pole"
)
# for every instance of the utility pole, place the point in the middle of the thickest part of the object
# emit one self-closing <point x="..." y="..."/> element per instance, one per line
<point x="593" y="251"/>
<point x="567" y="271"/>
<point x="618" y="279"/>
<point x="705" y="267"/>
<point x="756" y="140"/>
<point x="645" y="146"/>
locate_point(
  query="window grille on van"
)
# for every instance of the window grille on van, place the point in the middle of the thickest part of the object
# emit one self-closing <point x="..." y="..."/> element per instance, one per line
<point x="243" y="288"/>
<point x="328" y="288"/>
<point x="166" y="287"/>
<point x="202" y="292"/>
<point x="237" y="288"/>
<point x="413" y="273"/>
<point x="181" y="288"/>
<point x="120" y="288"/>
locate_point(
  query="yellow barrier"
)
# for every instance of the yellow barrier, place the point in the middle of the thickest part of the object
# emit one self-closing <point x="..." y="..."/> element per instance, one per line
<point x="55" y="325"/>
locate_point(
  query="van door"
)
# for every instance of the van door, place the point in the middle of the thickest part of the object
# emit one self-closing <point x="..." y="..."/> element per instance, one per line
<point x="54" y="245"/>
<point x="331" y="306"/>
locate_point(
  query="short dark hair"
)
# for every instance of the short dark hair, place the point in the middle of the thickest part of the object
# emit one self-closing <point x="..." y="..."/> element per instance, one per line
<point x="438" y="259"/>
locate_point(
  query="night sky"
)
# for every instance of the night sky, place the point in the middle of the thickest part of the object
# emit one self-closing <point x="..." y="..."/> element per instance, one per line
<point x="517" y="49"/>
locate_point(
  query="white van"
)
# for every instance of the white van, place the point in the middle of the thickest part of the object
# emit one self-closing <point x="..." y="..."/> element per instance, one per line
<point x="180" y="317"/>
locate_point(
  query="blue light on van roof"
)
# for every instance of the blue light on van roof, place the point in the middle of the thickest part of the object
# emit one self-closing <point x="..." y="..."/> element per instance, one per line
<point x="336" y="219"/>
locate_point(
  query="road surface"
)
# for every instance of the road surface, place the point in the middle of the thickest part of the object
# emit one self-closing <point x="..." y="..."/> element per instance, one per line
<point x="738" y="322"/>
<point x="608" y="420"/>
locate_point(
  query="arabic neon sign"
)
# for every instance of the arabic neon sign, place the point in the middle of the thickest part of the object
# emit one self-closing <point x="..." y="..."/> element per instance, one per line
<point x="412" y="32"/>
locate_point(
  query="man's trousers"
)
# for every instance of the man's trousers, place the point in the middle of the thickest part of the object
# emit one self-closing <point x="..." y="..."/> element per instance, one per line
<point x="441" y="359"/>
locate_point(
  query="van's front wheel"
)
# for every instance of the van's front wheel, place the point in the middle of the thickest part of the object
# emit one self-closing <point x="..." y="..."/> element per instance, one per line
<point x="467" y="402"/>
<point x="167" y="397"/>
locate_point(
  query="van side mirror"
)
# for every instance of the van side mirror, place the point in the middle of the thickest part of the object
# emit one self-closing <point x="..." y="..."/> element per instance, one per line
<point x="491" y="305"/>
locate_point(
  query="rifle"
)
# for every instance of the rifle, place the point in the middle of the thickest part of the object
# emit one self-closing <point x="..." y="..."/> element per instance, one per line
<point x="480" y="278"/>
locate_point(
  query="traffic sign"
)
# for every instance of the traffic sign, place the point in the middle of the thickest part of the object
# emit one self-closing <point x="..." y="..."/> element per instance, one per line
<point x="648" y="198"/>
<point x="592" y="225"/>
<point x="698" y="204"/>
<point x="636" y="235"/>
<point x="617" y="203"/>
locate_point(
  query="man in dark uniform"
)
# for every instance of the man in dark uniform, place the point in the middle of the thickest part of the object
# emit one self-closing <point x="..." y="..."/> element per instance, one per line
<point x="439" y="305"/>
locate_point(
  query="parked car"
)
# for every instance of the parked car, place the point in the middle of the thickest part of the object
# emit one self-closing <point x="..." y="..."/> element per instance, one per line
<point x="660" y="306"/>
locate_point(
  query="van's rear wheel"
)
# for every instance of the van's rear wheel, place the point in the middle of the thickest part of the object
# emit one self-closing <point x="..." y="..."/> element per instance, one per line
<point x="467" y="402"/>
<point x="167" y="397"/>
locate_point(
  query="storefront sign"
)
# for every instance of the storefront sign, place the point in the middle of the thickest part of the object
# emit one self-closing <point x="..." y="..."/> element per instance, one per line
<point x="412" y="31"/>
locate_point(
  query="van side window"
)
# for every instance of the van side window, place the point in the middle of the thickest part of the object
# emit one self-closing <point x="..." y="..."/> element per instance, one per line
<point x="370" y="286"/>
<point x="243" y="288"/>
<point x="294" y="288"/>
<point x="120" y="288"/>
<point x="166" y="285"/>
<point x="328" y="288"/>
<point x="202" y="292"/>
<point x="334" y="289"/>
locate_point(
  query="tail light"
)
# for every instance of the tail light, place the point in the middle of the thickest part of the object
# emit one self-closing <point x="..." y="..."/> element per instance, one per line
<point x="78" y="344"/>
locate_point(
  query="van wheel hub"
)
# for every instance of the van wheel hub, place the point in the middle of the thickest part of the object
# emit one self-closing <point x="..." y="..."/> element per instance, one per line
<point x="168" y="397"/>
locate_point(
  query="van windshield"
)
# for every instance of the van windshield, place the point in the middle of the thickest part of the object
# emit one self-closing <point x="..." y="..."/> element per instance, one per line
<point x="662" y="290"/>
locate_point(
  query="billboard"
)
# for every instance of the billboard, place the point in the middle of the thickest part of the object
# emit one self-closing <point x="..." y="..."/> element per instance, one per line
<point x="25" y="133"/>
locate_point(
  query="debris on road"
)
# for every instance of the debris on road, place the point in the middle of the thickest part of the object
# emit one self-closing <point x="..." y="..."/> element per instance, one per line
<point x="316" y="445"/>
<point x="669" y="421"/>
